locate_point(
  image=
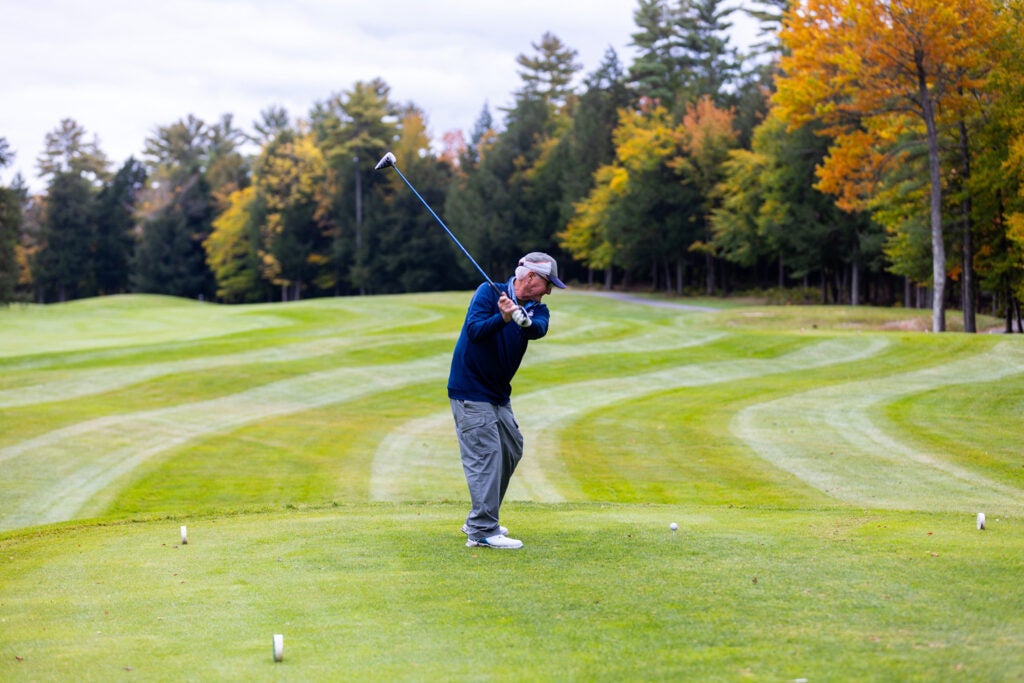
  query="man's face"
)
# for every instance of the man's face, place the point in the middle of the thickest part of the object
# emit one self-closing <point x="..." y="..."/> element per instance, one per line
<point x="533" y="287"/>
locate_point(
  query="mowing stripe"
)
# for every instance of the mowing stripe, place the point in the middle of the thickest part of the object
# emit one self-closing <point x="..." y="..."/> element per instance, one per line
<point x="54" y="476"/>
<point x="419" y="460"/>
<point x="834" y="438"/>
<point x="72" y="384"/>
<point x="50" y="478"/>
<point x="78" y="383"/>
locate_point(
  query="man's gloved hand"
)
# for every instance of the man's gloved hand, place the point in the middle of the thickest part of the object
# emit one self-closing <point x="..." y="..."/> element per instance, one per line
<point x="521" y="317"/>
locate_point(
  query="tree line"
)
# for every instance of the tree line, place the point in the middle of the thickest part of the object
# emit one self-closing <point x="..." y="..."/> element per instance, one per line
<point x="863" y="152"/>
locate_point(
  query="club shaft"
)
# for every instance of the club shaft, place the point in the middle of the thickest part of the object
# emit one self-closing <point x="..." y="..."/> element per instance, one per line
<point x="441" y="223"/>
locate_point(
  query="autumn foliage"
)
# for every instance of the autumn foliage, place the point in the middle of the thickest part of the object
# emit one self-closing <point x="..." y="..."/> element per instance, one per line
<point x="882" y="76"/>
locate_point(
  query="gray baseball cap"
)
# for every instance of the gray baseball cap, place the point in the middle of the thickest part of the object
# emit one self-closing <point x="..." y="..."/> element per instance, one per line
<point x="541" y="263"/>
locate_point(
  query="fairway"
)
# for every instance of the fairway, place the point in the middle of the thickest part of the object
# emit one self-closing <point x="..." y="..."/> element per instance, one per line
<point x="825" y="470"/>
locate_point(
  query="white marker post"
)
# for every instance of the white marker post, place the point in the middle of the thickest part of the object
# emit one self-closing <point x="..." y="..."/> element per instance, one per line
<point x="278" y="647"/>
<point x="184" y="535"/>
<point x="981" y="521"/>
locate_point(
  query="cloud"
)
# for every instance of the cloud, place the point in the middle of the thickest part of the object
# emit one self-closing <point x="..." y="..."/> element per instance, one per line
<point x="122" y="68"/>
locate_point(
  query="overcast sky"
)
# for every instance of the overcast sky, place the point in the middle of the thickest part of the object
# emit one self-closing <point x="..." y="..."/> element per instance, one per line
<point x="122" y="68"/>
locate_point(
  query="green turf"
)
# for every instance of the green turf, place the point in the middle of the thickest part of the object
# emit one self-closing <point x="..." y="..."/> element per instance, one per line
<point x="825" y="467"/>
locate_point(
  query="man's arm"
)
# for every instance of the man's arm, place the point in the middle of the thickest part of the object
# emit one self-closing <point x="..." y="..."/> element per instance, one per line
<point x="484" y="318"/>
<point x="540" y="317"/>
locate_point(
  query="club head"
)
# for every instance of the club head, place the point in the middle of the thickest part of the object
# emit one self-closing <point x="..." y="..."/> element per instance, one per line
<point x="385" y="161"/>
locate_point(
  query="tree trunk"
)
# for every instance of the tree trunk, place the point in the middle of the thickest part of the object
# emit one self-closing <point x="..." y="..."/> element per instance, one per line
<point x="709" y="263"/>
<point x="855" y="283"/>
<point x="1008" y="315"/>
<point x="967" y="283"/>
<point x="935" y="180"/>
<point x="359" y="227"/>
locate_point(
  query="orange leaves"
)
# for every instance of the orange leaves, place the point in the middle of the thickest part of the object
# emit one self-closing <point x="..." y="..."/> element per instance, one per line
<point x="705" y="136"/>
<point x="869" y="56"/>
<point x="854" y="168"/>
<point x="707" y="128"/>
<point x="862" y="67"/>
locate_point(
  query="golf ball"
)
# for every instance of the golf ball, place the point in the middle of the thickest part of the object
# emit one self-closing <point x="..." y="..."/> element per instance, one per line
<point x="673" y="526"/>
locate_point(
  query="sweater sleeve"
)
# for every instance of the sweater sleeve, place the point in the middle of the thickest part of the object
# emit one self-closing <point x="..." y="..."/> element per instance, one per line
<point x="484" y="318"/>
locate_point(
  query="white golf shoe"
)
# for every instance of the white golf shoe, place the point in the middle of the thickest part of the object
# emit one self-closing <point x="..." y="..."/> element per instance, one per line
<point x="498" y="541"/>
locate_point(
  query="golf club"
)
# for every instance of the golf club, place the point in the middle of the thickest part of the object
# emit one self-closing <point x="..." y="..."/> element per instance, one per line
<point x="389" y="160"/>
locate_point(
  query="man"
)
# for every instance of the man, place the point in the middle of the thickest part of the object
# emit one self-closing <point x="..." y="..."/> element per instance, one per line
<point x="487" y="355"/>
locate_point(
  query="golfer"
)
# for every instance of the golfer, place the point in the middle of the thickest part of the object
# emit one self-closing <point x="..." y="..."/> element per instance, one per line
<point x="487" y="355"/>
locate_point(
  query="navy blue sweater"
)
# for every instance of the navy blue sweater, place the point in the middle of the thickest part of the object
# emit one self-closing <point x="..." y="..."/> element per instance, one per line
<point x="489" y="350"/>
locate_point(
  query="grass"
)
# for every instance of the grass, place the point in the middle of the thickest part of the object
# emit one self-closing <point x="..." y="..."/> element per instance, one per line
<point x="825" y="466"/>
<point x="602" y="592"/>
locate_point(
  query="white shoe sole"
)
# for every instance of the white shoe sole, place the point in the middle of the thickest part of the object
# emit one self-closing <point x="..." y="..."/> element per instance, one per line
<point x="481" y="544"/>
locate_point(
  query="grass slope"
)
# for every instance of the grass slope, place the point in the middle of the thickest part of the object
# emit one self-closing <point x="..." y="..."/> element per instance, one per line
<point x="824" y="467"/>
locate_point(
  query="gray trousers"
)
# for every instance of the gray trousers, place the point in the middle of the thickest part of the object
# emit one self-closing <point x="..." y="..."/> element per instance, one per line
<point x="491" y="446"/>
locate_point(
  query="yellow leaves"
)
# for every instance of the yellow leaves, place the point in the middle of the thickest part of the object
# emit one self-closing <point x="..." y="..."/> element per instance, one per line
<point x="617" y="179"/>
<point x="548" y="147"/>
<point x="1015" y="233"/>
<point x="653" y="152"/>
<point x="229" y="244"/>
<point x="584" y="236"/>
<point x="271" y="268"/>
<point x="229" y="228"/>
<point x="1015" y="228"/>
<point x="412" y="143"/>
<point x="644" y="139"/>
<point x="291" y="171"/>
<point x="1015" y="165"/>
<point x="702" y="247"/>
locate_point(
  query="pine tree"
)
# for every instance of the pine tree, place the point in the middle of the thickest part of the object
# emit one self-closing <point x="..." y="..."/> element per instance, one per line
<point x="114" y="226"/>
<point x="10" y="224"/>
<point x="179" y="198"/>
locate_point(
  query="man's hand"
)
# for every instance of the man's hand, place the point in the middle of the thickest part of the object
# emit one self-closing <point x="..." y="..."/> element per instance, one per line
<point x="510" y="311"/>
<point x="506" y="306"/>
